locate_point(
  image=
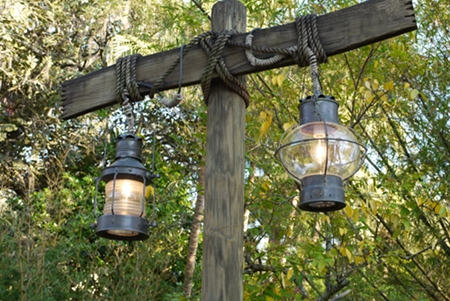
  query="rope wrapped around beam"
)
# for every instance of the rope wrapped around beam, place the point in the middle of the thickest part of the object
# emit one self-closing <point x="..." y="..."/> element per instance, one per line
<point x="308" y="37"/>
<point x="308" y="51"/>
<point x="127" y="90"/>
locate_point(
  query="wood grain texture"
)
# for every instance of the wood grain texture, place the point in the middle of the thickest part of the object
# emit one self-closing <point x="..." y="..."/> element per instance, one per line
<point x="340" y="31"/>
<point x="224" y="178"/>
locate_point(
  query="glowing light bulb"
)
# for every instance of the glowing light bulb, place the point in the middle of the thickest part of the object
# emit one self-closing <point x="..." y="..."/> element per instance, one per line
<point x="319" y="152"/>
<point x="128" y="197"/>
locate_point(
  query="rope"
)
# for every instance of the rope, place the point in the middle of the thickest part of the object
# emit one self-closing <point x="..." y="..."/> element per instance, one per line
<point x="217" y="63"/>
<point x="308" y="51"/>
<point x="127" y="90"/>
<point x="308" y="39"/>
<point x="254" y="61"/>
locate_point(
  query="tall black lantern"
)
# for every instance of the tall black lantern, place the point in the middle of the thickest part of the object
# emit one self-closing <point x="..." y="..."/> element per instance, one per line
<point x="125" y="191"/>
<point x="320" y="154"/>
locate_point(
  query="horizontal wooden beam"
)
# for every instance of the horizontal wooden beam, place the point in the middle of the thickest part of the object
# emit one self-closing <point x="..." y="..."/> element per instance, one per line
<point x="340" y="31"/>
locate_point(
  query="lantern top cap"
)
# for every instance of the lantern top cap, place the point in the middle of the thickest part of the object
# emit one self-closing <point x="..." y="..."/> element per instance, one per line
<point x="129" y="136"/>
<point x="321" y="97"/>
<point x="318" y="108"/>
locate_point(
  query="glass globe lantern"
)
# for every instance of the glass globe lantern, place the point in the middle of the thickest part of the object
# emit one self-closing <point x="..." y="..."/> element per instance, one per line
<point x="126" y="181"/>
<point x="320" y="154"/>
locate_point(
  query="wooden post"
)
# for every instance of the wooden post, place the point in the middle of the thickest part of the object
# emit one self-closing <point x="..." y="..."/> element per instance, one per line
<point x="224" y="177"/>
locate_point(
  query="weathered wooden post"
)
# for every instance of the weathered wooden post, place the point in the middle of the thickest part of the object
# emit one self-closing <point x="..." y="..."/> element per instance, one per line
<point x="224" y="177"/>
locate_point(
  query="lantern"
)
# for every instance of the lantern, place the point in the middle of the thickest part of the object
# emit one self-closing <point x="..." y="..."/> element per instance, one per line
<point x="125" y="191"/>
<point x="320" y="154"/>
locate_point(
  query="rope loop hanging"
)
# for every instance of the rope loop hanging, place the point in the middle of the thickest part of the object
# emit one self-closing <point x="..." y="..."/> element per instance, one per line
<point x="127" y="91"/>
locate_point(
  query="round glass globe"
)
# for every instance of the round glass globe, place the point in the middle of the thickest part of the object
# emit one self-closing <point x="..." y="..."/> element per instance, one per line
<point x="319" y="148"/>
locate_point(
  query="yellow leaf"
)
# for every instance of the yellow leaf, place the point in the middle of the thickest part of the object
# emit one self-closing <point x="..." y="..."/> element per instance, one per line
<point x="414" y="93"/>
<point x="367" y="84"/>
<point x="149" y="190"/>
<point x="355" y="216"/>
<point x="405" y="236"/>
<point x="348" y="211"/>
<point x="267" y="117"/>
<point x="407" y="85"/>
<point x="264" y="128"/>
<point x="266" y="186"/>
<point x="389" y="85"/>
<point x="395" y="220"/>
<point x="364" y="208"/>
<point x="374" y="206"/>
<point x="342" y="231"/>
<point x="369" y="96"/>
<point x="348" y="254"/>
<point x="437" y="208"/>
<point x="359" y="259"/>
<point x="263" y="115"/>
<point x="280" y="80"/>
<point x="440" y="210"/>
<point x="287" y="125"/>
<point x="290" y="273"/>
<point x="274" y="80"/>
<point x="384" y="98"/>
<point x="375" y="85"/>
<point x="269" y="298"/>
<point x="361" y="245"/>
<point x="420" y="201"/>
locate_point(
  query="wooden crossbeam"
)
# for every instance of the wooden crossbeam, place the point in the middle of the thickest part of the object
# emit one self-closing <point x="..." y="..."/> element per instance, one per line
<point x="339" y="32"/>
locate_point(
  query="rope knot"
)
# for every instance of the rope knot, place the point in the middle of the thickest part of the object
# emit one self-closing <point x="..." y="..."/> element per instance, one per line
<point x="216" y="62"/>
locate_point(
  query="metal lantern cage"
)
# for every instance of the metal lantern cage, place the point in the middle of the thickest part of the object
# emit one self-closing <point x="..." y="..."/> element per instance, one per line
<point x="320" y="154"/>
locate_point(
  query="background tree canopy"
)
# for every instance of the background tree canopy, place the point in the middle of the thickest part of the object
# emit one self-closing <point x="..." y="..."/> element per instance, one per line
<point x="391" y="242"/>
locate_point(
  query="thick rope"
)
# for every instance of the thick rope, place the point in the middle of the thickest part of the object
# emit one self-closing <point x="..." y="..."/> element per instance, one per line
<point x="254" y="61"/>
<point x="127" y="90"/>
<point x="308" y="37"/>
<point x="308" y="51"/>
<point x="217" y="63"/>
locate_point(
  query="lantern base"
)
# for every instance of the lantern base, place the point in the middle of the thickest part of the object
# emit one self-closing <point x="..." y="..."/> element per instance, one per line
<point x="322" y="193"/>
<point x="122" y="227"/>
